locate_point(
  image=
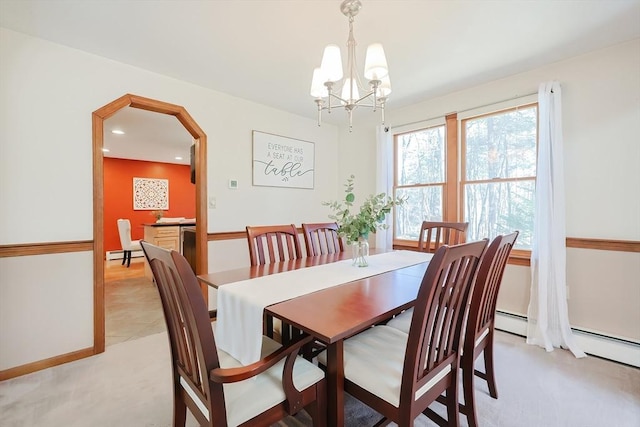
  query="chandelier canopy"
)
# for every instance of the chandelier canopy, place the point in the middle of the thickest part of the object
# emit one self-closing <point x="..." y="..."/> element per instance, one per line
<point x="330" y="73"/>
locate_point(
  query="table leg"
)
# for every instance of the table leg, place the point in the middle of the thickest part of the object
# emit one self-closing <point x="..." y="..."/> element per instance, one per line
<point x="335" y="384"/>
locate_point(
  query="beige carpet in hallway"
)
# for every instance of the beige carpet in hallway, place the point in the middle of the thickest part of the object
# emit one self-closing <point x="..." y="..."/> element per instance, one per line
<point x="130" y="385"/>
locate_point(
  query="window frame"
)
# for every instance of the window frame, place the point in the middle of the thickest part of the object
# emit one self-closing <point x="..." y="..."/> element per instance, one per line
<point x="444" y="184"/>
<point x="455" y="155"/>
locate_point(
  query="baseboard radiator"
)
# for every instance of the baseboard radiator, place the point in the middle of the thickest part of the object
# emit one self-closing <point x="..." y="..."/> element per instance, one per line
<point x="593" y="343"/>
<point x="111" y="255"/>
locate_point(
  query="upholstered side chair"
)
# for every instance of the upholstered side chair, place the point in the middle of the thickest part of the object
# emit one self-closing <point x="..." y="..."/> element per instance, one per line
<point x="128" y="245"/>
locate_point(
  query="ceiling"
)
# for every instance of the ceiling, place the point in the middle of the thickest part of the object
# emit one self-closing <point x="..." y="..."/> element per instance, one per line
<point x="148" y="136"/>
<point x="265" y="50"/>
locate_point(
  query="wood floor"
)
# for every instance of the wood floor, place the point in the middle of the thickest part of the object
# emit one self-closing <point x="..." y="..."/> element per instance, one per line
<point x="132" y="304"/>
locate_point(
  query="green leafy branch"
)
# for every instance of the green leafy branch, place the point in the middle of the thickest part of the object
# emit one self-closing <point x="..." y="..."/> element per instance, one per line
<point x="368" y="219"/>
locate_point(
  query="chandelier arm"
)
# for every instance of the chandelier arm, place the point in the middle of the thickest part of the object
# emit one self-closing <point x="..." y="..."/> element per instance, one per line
<point x="333" y="95"/>
<point x="362" y="98"/>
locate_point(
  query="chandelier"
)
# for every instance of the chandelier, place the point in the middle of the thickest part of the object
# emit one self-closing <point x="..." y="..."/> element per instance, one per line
<point x="325" y="78"/>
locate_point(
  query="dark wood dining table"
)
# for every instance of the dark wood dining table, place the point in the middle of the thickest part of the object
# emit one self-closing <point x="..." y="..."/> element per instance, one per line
<point x="220" y="278"/>
<point x="336" y="313"/>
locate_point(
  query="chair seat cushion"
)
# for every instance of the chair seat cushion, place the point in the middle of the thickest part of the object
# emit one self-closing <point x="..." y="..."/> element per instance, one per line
<point x="402" y="321"/>
<point x="248" y="398"/>
<point x="133" y="246"/>
<point x="380" y="350"/>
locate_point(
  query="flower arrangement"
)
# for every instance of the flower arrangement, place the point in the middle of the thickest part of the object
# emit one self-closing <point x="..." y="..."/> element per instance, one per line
<point x="158" y="214"/>
<point x="357" y="226"/>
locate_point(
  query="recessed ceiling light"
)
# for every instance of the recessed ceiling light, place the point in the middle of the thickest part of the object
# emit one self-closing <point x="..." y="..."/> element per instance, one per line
<point x="105" y="150"/>
<point x="178" y="158"/>
<point x="118" y="132"/>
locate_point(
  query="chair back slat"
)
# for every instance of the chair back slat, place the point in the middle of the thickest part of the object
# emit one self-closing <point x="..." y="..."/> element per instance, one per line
<point x="193" y="349"/>
<point x="490" y="273"/>
<point x="439" y="312"/>
<point x="434" y="234"/>
<point x="273" y="243"/>
<point x="322" y="239"/>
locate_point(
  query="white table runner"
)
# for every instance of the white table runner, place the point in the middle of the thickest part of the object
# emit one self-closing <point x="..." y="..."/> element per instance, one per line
<point x="241" y="304"/>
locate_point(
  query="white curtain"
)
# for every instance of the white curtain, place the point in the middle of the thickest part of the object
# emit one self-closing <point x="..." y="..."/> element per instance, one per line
<point x="384" y="181"/>
<point x="548" y="319"/>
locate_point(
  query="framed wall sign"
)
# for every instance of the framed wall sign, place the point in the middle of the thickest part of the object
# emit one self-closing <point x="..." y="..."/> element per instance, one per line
<point x="150" y="194"/>
<point x="279" y="161"/>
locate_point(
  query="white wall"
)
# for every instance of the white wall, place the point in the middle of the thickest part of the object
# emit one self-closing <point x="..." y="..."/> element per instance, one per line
<point x="47" y="95"/>
<point x="46" y="306"/>
<point x="601" y="115"/>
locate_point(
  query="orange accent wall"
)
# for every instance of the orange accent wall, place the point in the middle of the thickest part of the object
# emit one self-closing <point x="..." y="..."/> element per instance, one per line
<point x="118" y="195"/>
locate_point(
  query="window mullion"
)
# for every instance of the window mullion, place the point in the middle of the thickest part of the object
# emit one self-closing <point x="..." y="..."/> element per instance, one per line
<point x="451" y="187"/>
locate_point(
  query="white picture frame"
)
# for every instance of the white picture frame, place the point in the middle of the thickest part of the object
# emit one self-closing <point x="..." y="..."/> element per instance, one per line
<point x="150" y="194"/>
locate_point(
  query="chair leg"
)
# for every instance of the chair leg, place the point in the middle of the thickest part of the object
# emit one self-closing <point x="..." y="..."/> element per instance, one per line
<point x="124" y="257"/>
<point x="318" y="408"/>
<point x="128" y="259"/>
<point x="468" y="391"/>
<point x="453" y="411"/>
<point x="488" y="367"/>
<point x="179" y="410"/>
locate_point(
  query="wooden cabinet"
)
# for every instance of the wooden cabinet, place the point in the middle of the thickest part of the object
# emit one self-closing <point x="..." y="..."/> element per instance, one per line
<point x="165" y="236"/>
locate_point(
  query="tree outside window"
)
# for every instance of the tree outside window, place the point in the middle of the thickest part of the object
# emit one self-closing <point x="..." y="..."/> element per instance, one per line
<point x="499" y="173"/>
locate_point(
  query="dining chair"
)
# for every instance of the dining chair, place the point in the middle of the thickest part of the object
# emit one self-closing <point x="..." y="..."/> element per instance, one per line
<point x="128" y="245"/>
<point x="435" y="234"/>
<point x="269" y="244"/>
<point x="479" y="331"/>
<point x="273" y="243"/>
<point x="322" y="238"/>
<point x="399" y="375"/>
<point x="216" y="388"/>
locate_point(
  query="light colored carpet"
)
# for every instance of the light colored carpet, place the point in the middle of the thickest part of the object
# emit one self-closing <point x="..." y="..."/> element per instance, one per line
<point x="130" y="385"/>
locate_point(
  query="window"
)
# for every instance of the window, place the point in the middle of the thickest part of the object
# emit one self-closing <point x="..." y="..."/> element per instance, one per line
<point x="420" y="178"/>
<point x="487" y="179"/>
<point x="499" y="173"/>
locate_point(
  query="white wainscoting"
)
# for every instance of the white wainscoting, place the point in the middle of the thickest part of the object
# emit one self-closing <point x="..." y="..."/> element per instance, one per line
<point x="111" y="255"/>
<point x="591" y="342"/>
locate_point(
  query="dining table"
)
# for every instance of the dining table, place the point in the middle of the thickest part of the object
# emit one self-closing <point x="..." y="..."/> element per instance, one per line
<point x="344" y="300"/>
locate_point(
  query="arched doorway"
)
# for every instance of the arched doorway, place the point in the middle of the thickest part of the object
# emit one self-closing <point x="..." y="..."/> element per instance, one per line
<point x="200" y="138"/>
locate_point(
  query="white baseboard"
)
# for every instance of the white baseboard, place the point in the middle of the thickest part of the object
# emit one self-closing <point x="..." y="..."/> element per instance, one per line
<point x="591" y="342"/>
<point x="111" y="255"/>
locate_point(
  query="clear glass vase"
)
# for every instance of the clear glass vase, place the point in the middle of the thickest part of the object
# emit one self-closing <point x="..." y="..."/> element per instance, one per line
<point x="360" y="250"/>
